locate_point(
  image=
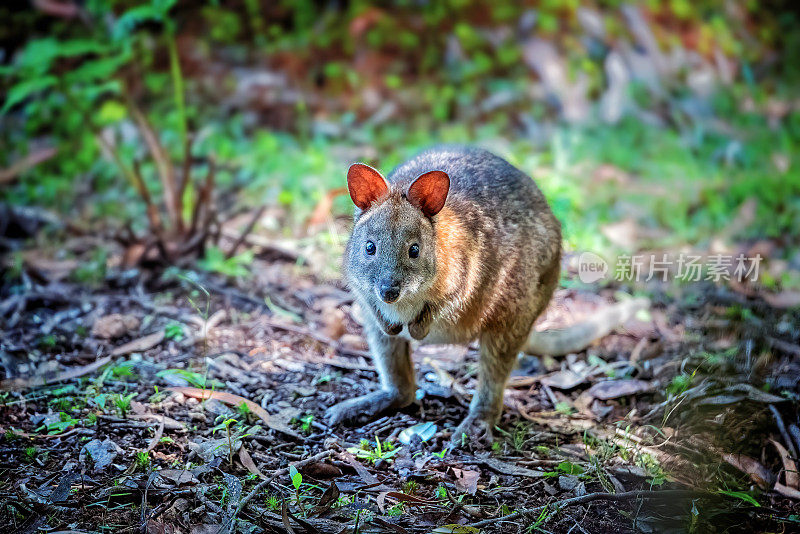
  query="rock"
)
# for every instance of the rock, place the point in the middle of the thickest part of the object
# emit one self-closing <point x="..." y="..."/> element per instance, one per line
<point x="213" y="448"/>
<point x="115" y="325"/>
<point x="100" y="453"/>
<point x="568" y="482"/>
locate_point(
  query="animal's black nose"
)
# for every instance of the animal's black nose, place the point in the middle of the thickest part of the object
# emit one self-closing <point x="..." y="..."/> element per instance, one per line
<point x="389" y="291"/>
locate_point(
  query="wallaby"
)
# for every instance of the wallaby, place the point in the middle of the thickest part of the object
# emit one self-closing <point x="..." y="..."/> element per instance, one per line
<point x="456" y="245"/>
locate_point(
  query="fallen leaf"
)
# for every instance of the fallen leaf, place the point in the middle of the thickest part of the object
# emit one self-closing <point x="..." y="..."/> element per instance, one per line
<point x="787" y="491"/>
<point x="169" y="422"/>
<point x="140" y="345"/>
<point x="563" y="379"/>
<point x="156" y="437"/>
<point x="99" y="453"/>
<point x="322" y="210"/>
<point x="366" y="476"/>
<point x="789" y="466"/>
<point x="178" y="477"/>
<point x="737" y="393"/>
<point x="236" y="400"/>
<point x="758" y="473"/>
<point x="248" y="462"/>
<point x="52" y="269"/>
<point x="410" y="499"/>
<point x="783" y="300"/>
<point x="455" y="529"/>
<point x="466" y="481"/>
<point x="612" y="389"/>
<point x="329" y="498"/>
<point x="505" y="468"/>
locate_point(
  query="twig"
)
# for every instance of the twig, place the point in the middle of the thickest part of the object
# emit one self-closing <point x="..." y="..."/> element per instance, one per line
<point x="27" y="162"/>
<point x="203" y="196"/>
<point x="785" y="346"/>
<point x="67" y="374"/>
<point x="247" y="229"/>
<point x="795" y="432"/>
<point x="165" y="168"/>
<point x="782" y="428"/>
<point x="186" y="177"/>
<point x="264" y="483"/>
<point x="322" y="338"/>
<point x="157" y="436"/>
<point x="591" y="497"/>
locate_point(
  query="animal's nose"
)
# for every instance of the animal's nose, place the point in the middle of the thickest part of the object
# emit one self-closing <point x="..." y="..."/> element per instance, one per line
<point x="389" y="290"/>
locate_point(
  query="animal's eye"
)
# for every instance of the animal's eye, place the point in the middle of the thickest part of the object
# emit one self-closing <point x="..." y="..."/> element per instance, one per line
<point x="413" y="251"/>
<point x="370" y="248"/>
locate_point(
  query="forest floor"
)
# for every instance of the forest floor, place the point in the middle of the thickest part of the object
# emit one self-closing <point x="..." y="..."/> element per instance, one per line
<point x="175" y="403"/>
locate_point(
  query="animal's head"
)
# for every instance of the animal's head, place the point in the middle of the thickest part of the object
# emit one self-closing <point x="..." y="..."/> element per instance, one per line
<point x="391" y="255"/>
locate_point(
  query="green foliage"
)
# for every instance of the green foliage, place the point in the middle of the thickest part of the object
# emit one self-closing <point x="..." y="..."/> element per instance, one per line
<point x="566" y="468"/>
<point x="216" y="261"/>
<point x="65" y="422"/>
<point x="31" y="453"/>
<point x="741" y="495"/>
<point x="679" y="384"/>
<point x="123" y="402"/>
<point x="143" y="460"/>
<point x="122" y="370"/>
<point x="174" y="331"/>
<point x="305" y="423"/>
<point x="377" y="451"/>
<point x="295" y="477"/>
<point x="197" y="380"/>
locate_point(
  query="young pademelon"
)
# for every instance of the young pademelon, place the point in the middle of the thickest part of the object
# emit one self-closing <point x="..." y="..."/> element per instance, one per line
<point x="456" y="245"/>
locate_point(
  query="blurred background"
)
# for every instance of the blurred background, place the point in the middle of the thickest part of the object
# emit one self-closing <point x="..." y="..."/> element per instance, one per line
<point x="648" y="125"/>
<point x="173" y="211"/>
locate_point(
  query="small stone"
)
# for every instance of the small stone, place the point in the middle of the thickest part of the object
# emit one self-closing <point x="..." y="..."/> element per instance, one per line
<point x="100" y="453"/>
<point x="115" y="325"/>
<point x="568" y="482"/>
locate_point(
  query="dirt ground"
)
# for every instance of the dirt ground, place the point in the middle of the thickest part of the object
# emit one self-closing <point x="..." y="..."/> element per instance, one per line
<point x="123" y="410"/>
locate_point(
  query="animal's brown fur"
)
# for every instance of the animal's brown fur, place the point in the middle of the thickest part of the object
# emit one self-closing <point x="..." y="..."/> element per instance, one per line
<point x="487" y="264"/>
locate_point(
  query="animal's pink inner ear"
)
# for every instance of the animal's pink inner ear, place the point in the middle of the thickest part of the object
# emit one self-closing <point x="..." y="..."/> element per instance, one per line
<point x="366" y="185"/>
<point x="429" y="192"/>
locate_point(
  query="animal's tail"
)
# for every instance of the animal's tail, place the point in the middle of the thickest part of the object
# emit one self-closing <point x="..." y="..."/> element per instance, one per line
<point x="575" y="338"/>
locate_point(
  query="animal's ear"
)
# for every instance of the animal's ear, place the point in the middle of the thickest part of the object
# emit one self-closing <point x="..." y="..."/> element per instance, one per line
<point x="429" y="191"/>
<point x="366" y="185"/>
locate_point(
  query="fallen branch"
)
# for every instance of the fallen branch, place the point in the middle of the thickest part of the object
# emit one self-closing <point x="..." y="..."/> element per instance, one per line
<point x="591" y="497"/>
<point x="264" y="483"/>
<point x="31" y="160"/>
<point x="236" y="400"/>
<point x="247" y="229"/>
<point x="38" y="381"/>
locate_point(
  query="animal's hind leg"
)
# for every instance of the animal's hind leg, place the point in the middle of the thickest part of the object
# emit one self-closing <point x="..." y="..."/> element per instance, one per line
<point x="497" y="359"/>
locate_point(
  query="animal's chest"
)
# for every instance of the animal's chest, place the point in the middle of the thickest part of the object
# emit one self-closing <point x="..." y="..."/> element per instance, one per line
<point x="442" y="332"/>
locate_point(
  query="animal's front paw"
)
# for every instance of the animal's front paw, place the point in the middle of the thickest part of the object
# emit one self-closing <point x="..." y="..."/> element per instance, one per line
<point x="418" y="330"/>
<point x="475" y="432"/>
<point x="367" y="406"/>
<point x="421" y="326"/>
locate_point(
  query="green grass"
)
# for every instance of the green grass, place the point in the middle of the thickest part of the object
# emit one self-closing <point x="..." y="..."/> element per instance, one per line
<point x="683" y="185"/>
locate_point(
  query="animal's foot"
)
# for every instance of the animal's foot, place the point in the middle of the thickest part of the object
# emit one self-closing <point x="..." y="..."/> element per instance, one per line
<point x="367" y="406"/>
<point x="475" y="432"/>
